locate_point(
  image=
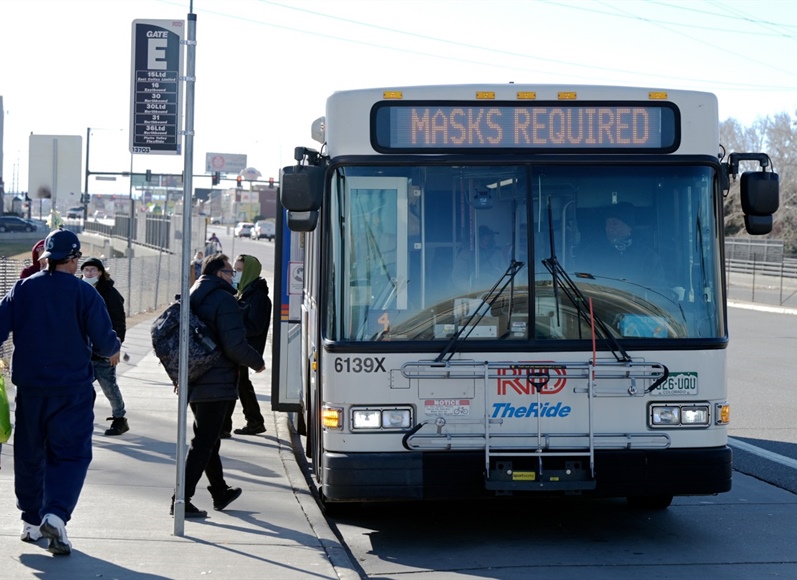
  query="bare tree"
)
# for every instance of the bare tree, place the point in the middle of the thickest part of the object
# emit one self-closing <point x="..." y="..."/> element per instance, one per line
<point x="778" y="137"/>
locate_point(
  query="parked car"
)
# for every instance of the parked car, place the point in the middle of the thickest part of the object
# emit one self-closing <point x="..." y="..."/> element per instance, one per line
<point x="12" y="223"/>
<point x="215" y="220"/>
<point x="74" y="213"/>
<point x="100" y="215"/>
<point x="264" y="229"/>
<point x="243" y="229"/>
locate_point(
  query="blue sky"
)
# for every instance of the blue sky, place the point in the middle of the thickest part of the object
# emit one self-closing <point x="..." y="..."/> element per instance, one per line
<point x="264" y="69"/>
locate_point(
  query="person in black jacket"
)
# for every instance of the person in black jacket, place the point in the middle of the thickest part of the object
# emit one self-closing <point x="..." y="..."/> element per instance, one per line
<point x="210" y="396"/>
<point x="255" y="307"/>
<point x="93" y="271"/>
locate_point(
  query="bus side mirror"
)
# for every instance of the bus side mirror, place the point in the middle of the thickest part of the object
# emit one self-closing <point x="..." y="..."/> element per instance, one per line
<point x="301" y="188"/>
<point x="304" y="221"/>
<point x="759" y="197"/>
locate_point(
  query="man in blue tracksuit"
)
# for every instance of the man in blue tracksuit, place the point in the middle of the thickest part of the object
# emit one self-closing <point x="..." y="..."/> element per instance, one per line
<point x="57" y="320"/>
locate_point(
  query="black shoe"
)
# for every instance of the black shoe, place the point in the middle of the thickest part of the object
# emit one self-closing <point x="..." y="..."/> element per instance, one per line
<point x="225" y="498"/>
<point x="118" y="426"/>
<point x="191" y="511"/>
<point x="225" y="435"/>
<point x="251" y="430"/>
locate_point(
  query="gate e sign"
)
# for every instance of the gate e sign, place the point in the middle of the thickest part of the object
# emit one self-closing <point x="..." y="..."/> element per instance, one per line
<point x="156" y="87"/>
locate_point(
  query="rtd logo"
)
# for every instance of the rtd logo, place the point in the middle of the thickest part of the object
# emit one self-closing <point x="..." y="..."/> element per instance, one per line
<point x="527" y="379"/>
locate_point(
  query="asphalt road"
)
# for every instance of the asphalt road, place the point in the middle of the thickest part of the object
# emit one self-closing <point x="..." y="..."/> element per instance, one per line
<point x="746" y="533"/>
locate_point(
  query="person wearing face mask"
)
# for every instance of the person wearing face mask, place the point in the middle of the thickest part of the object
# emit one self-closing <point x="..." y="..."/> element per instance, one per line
<point x="211" y="395"/>
<point x="255" y="305"/>
<point x="621" y="253"/>
<point x="93" y="272"/>
<point x="196" y="270"/>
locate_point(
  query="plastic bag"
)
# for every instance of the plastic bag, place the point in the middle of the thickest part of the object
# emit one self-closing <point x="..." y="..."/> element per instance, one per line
<point x="5" y="413"/>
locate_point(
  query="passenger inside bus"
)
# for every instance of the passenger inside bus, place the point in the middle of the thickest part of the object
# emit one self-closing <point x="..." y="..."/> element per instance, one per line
<point x="616" y="250"/>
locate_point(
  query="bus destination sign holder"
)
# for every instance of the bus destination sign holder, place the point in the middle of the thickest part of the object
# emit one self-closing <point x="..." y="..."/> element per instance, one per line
<point x="156" y="93"/>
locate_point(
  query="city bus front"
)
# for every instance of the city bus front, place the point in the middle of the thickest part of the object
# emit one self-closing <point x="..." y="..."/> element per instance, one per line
<point x="487" y="323"/>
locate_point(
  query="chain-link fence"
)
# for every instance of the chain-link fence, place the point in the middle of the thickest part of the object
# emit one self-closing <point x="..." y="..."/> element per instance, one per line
<point x="147" y="283"/>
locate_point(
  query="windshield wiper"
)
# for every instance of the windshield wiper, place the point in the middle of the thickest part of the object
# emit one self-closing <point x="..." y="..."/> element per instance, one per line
<point x="561" y="279"/>
<point x="487" y="302"/>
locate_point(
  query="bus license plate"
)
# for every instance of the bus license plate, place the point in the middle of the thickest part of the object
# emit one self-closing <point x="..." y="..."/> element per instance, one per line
<point x="677" y="385"/>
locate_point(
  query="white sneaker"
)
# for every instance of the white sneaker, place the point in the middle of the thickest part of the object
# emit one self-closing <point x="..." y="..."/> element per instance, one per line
<point x="54" y="528"/>
<point x="30" y="533"/>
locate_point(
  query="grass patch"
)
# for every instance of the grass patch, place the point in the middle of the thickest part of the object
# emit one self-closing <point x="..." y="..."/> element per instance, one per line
<point x="16" y="250"/>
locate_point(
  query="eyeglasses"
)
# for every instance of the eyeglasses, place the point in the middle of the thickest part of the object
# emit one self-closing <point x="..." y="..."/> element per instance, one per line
<point x="227" y="271"/>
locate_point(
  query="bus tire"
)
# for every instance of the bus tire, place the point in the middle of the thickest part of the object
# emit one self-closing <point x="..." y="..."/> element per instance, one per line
<point x="649" y="502"/>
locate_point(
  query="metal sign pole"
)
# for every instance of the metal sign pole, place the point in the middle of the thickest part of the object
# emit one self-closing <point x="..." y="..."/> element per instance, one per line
<point x="179" y="508"/>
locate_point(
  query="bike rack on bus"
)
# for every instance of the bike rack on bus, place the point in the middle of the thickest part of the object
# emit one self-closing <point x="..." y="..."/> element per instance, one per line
<point x="594" y="379"/>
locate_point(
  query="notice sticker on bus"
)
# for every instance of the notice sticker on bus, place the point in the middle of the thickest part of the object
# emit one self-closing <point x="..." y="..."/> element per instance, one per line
<point x="677" y="385"/>
<point x="447" y="407"/>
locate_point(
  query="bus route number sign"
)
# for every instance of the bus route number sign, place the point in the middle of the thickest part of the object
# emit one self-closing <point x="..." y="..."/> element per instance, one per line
<point x="156" y="95"/>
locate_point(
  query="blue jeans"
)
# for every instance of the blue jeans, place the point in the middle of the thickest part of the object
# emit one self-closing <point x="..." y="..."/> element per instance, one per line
<point x="105" y="374"/>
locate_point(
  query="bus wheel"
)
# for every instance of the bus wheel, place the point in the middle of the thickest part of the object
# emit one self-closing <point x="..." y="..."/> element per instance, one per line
<point x="649" y="502"/>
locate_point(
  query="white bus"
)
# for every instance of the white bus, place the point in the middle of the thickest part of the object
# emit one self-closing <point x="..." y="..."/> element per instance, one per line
<point x="511" y="290"/>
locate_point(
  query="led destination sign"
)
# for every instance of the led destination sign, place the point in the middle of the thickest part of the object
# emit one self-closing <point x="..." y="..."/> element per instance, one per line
<point x="413" y="127"/>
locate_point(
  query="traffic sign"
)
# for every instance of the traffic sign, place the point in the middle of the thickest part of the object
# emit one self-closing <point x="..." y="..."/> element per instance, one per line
<point x="156" y="87"/>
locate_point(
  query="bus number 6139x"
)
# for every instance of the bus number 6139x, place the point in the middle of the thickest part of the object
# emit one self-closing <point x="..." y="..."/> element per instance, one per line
<point x="360" y="365"/>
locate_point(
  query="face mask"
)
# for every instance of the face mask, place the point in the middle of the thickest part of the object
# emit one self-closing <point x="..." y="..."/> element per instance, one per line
<point x="621" y="244"/>
<point x="91" y="281"/>
<point x="236" y="279"/>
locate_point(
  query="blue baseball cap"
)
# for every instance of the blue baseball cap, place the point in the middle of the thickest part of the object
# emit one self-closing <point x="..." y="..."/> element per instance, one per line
<point x="61" y="244"/>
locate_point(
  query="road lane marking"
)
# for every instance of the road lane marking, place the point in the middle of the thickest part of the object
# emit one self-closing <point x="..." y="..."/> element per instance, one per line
<point x="777" y="458"/>
<point x="763" y="308"/>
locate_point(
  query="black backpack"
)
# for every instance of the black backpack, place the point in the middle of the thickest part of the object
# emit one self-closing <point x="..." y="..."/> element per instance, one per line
<point x="203" y="352"/>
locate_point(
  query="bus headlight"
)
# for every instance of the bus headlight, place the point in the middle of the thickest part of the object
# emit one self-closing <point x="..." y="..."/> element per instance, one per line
<point x="393" y="418"/>
<point x="396" y="419"/>
<point x="679" y="415"/>
<point x="366" y="419"/>
<point x="694" y="415"/>
<point x="661" y="415"/>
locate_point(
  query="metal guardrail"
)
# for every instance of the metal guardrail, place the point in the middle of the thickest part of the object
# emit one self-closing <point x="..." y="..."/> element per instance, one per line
<point x="784" y="269"/>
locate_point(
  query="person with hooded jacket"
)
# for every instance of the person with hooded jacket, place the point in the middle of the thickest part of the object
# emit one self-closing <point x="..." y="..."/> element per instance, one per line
<point x="35" y="260"/>
<point x="94" y="273"/>
<point x="212" y="299"/>
<point x="255" y="307"/>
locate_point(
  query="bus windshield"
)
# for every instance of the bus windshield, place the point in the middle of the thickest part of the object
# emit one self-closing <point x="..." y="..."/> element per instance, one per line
<point x="416" y="252"/>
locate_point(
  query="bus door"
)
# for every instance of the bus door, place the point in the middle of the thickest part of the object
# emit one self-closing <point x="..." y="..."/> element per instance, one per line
<point x="286" y="365"/>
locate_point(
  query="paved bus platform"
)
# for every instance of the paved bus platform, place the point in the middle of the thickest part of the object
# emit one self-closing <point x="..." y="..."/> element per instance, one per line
<point x="121" y="527"/>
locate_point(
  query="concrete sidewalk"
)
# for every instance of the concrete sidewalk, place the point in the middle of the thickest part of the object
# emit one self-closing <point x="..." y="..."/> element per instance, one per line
<point x="121" y="527"/>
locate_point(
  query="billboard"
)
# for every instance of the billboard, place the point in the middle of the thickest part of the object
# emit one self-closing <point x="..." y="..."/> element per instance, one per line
<point x="55" y="168"/>
<point x="156" y="87"/>
<point x="225" y="163"/>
